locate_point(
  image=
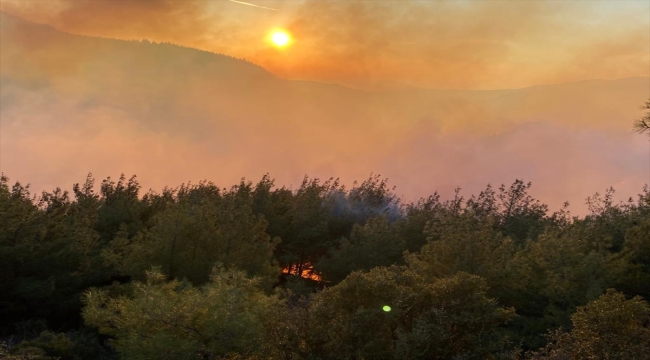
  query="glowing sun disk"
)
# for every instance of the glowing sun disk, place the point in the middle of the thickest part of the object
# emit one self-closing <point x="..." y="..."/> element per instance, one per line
<point x="280" y="38"/>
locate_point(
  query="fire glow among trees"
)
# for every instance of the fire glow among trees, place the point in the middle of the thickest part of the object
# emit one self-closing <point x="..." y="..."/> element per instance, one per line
<point x="307" y="272"/>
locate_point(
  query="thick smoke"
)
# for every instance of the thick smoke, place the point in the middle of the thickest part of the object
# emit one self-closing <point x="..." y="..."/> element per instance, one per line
<point x="172" y="115"/>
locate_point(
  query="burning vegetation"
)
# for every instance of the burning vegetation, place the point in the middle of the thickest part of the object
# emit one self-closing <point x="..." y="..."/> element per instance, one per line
<point x="305" y="271"/>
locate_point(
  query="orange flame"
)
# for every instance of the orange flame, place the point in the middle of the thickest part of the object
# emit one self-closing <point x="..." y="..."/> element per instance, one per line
<point x="307" y="272"/>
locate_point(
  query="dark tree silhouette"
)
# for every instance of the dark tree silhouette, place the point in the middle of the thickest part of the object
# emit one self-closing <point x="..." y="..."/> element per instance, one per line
<point x="642" y="125"/>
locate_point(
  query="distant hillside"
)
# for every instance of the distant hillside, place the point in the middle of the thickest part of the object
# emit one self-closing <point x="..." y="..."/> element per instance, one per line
<point x="72" y="104"/>
<point x="26" y="35"/>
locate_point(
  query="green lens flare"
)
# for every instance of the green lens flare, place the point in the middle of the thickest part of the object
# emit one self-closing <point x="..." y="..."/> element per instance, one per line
<point x="386" y="308"/>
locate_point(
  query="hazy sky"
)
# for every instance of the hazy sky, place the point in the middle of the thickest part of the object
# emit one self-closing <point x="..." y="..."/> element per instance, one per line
<point x="172" y="115"/>
<point x="480" y="44"/>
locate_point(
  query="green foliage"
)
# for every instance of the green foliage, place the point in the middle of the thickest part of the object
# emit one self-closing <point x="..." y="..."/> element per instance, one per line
<point x="195" y="232"/>
<point x="56" y="344"/>
<point x="451" y="318"/>
<point x="629" y="270"/>
<point x="174" y="320"/>
<point x="573" y="274"/>
<point x="554" y="275"/>
<point x="637" y="244"/>
<point x="287" y="330"/>
<point x="463" y="243"/>
<point x="521" y="217"/>
<point x="74" y="345"/>
<point x="373" y="198"/>
<point x="460" y="323"/>
<point x="512" y="211"/>
<point x="418" y="215"/>
<point x="120" y="206"/>
<point x="604" y="229"/>
<point x="470" y="264"/>
<point x="374" y="244"/>
<point x="24" y="353"/>
<point x="308" y="236"/>
<point x="46" y="247"/>
<point x="610" y="327"/>
<point x="19" y="216"/>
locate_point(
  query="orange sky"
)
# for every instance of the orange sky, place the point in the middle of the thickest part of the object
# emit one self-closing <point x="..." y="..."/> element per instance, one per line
<point x="482" y="44"/>
<point x="172" y="115"/>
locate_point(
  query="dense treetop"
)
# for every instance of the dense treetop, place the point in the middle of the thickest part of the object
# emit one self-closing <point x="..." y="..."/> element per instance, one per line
<point x="257" y="271"/>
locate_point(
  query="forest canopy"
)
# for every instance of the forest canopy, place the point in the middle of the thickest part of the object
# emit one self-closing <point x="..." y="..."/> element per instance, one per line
<point x="258" y="271"/>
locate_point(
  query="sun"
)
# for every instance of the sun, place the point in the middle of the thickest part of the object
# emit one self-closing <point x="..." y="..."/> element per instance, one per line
<point x="280" y="38"/>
